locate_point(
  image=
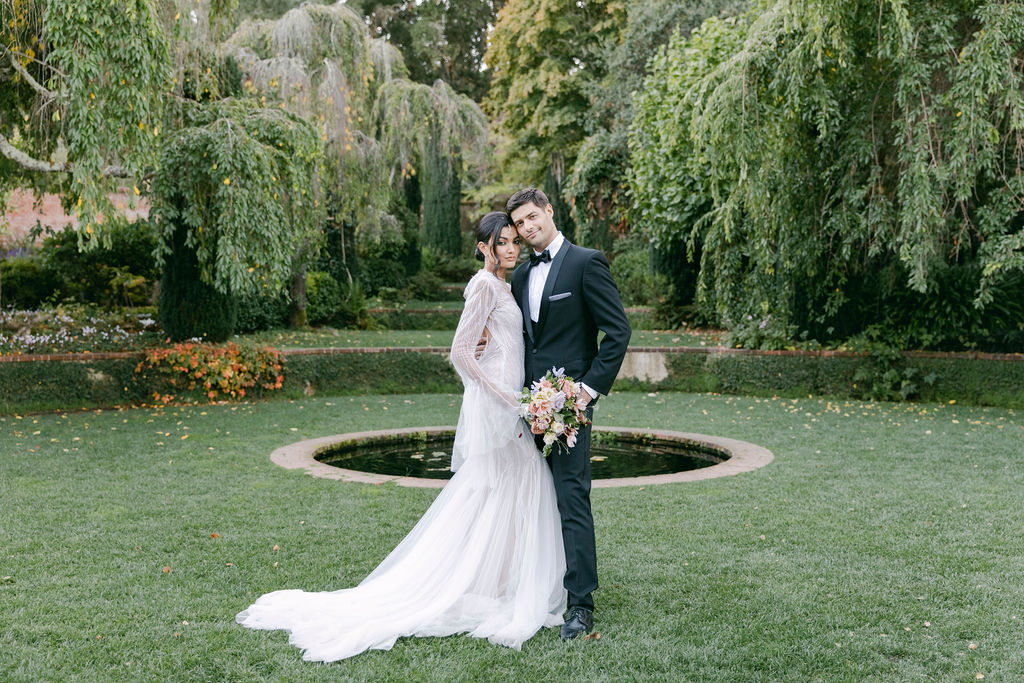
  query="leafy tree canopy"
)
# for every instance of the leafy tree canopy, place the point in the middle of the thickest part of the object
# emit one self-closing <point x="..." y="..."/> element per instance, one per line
<point x="245" y="185"/>
<point x="804" y="141"/>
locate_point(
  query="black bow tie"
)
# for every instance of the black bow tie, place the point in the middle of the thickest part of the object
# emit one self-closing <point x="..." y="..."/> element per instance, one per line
<point x="543" y="257"/>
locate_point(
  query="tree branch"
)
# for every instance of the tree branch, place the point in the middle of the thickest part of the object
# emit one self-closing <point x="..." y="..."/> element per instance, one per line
<point x="25" y="161"/>
<point x="31" y="164"/>
<point x="48" y="94"/>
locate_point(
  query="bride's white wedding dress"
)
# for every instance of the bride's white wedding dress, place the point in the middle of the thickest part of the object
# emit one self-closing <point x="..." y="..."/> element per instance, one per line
<point x="486" y="558"/>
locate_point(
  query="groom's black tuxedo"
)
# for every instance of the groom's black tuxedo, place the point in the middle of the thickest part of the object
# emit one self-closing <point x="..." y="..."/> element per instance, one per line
<point x="579" y="299"/>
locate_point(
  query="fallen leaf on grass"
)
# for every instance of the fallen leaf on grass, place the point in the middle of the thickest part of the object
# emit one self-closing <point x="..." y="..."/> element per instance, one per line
<point x="214" y="535"/>
<point x="596" y="635"/>
<point x="166" y="569"/>
<point x="276" y="547"/>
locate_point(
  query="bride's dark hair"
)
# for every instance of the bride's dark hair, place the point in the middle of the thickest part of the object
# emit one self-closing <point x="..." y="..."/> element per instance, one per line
<point x="488" y="230"/>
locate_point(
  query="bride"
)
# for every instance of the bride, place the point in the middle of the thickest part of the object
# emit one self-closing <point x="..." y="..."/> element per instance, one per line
<point x="486" y="558"/>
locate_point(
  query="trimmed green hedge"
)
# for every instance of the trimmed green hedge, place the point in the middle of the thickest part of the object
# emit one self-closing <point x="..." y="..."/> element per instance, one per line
<point x="70" y="385"/>
<point x="978" y="381"/>
<point x="397" y="319"/>
<point x="369" y="373"/>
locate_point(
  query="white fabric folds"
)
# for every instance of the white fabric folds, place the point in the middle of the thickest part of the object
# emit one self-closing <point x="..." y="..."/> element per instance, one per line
<point x="486" y="558"/>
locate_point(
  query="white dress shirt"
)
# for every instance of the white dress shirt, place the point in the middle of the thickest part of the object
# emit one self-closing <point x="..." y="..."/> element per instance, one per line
<point x="538" y="278"/>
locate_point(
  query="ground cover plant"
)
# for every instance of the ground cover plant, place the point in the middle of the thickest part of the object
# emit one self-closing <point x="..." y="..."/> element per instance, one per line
<point x="881" y="544"/>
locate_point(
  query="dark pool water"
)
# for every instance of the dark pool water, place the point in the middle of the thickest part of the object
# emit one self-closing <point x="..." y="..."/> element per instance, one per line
<point x="612" y="454"/>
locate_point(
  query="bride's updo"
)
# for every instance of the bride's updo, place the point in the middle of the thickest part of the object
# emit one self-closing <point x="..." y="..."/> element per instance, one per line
<point x="488" y="230"/>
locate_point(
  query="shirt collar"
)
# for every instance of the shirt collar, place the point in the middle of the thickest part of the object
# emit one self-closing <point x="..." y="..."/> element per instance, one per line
<point x="555" y="245"/>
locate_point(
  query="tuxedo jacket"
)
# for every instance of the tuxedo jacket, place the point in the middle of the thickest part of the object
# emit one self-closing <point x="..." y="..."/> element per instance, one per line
<point x="580" y="298"/>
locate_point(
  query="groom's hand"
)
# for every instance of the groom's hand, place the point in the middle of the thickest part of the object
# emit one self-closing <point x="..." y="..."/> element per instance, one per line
<point x="480" y="346"/>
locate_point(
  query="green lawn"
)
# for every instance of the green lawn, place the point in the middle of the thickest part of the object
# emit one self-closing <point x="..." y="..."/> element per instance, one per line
<point x="331" y="338"/>
<point x="883" y="543"/>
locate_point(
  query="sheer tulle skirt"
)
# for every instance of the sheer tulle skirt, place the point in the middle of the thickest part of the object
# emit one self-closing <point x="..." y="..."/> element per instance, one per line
<point x="485" y="559"/>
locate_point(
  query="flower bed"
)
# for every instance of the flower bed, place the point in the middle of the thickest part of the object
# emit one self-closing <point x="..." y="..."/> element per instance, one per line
<point x="72" y="328"/>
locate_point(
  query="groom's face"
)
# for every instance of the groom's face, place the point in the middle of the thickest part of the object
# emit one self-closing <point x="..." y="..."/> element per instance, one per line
<point x="536" y="226"/>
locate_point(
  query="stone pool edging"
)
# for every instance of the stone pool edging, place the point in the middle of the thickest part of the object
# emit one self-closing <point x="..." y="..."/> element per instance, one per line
<point x="743" y="457"/>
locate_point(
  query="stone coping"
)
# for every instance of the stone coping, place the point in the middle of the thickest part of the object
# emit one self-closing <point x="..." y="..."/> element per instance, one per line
<point x="743" y="457"/>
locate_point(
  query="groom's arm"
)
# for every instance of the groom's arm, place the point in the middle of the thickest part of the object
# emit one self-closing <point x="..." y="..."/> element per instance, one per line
<point x="603" y="305"/>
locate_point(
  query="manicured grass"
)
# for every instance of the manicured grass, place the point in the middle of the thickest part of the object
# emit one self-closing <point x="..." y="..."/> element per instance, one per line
<point x="882" y="542"/>
<point x="331" y="338"/>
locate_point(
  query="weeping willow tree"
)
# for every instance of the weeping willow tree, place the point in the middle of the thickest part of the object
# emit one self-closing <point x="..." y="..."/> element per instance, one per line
<point x="237" y="206"/>
<point x="441" y="132"/>
<point x="379" y="129"/>
<point x="820" y="152"/>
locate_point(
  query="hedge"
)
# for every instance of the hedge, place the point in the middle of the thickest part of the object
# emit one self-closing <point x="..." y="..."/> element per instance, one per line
<point x="78" y="381"/>
<point x="977" y="379"/>
<point x="74" y="383"/>
<point x="448" y="319"/>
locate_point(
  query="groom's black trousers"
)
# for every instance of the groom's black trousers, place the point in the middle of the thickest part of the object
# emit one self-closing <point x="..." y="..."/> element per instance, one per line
<point x="571" y="473"/>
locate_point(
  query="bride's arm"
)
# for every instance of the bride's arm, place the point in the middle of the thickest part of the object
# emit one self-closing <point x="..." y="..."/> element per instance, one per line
<point x="480" y="301"/>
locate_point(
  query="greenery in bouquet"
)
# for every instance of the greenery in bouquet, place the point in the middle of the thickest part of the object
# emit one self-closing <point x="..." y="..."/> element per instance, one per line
<point x="550" y="407"/>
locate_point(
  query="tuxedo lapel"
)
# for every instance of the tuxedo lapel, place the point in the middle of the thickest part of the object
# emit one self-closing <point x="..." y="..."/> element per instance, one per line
<point x="523" y="297"/>
<point x="549" y="285"/>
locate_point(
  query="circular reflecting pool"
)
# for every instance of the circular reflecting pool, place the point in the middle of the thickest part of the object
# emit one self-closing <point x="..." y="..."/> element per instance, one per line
<point x="614" y="454"/>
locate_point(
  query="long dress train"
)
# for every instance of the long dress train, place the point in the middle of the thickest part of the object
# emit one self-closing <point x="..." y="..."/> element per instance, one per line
<point x="486" y="558"/>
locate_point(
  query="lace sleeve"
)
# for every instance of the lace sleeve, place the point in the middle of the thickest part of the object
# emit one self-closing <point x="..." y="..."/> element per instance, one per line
<point x="481" y="298"/>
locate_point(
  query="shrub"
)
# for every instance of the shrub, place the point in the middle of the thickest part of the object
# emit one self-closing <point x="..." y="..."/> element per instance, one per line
<point x="449" y="268"/>
<point x="123" y="272"/>
<point x="213" y="372"/>
<point x="323" y="298"/>
<point x="638" y="284"/>
<point x="26" y="282"/>
<point x="376" y="273"/>
<point x="261" y="311"/>
<point x="425" y="286"/>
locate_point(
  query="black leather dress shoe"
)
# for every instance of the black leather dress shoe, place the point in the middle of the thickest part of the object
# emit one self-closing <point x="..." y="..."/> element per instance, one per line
<point x="578" y="620"/>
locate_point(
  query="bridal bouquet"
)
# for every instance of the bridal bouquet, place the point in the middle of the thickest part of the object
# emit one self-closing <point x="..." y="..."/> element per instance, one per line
<point x="549" y="406"/>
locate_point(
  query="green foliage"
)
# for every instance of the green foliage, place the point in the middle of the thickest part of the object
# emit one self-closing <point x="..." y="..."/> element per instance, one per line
<point x="800" y="146"/>
<point x="638" y="284"/>
<point x="189" y="307"/>
<point x="242" y="182"/>
<point x="544" y="55"/>
<point x="26" y="281"/>
<point x="439" y="39"/>
<point x="425" y="286"/>
<point x="435" y="130"/>
<point x="442" y="194"/>
<point x="69" y="385"/>
<point x="95" y="72"/>
<point x="449" y="268"/>
<point x="261" y="311"/>
<point x="597" y="184"/>
<point x="121" y="271"/>
<point x="886" y="377"/>
<point x="377" y="273"/>
<point x="323" y="297"/>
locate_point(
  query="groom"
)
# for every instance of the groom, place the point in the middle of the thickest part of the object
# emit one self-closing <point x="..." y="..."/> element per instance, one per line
<point x="567" y="294"/>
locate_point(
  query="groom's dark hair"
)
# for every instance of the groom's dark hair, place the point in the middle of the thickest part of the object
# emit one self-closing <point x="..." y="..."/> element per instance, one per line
<point x="526" y="196"/>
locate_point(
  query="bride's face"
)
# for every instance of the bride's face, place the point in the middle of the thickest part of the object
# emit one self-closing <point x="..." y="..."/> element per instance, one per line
<point x="506" y="247"/>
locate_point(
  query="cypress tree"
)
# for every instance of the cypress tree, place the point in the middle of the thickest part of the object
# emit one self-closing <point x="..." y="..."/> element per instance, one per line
<point x="188" y="307"/>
